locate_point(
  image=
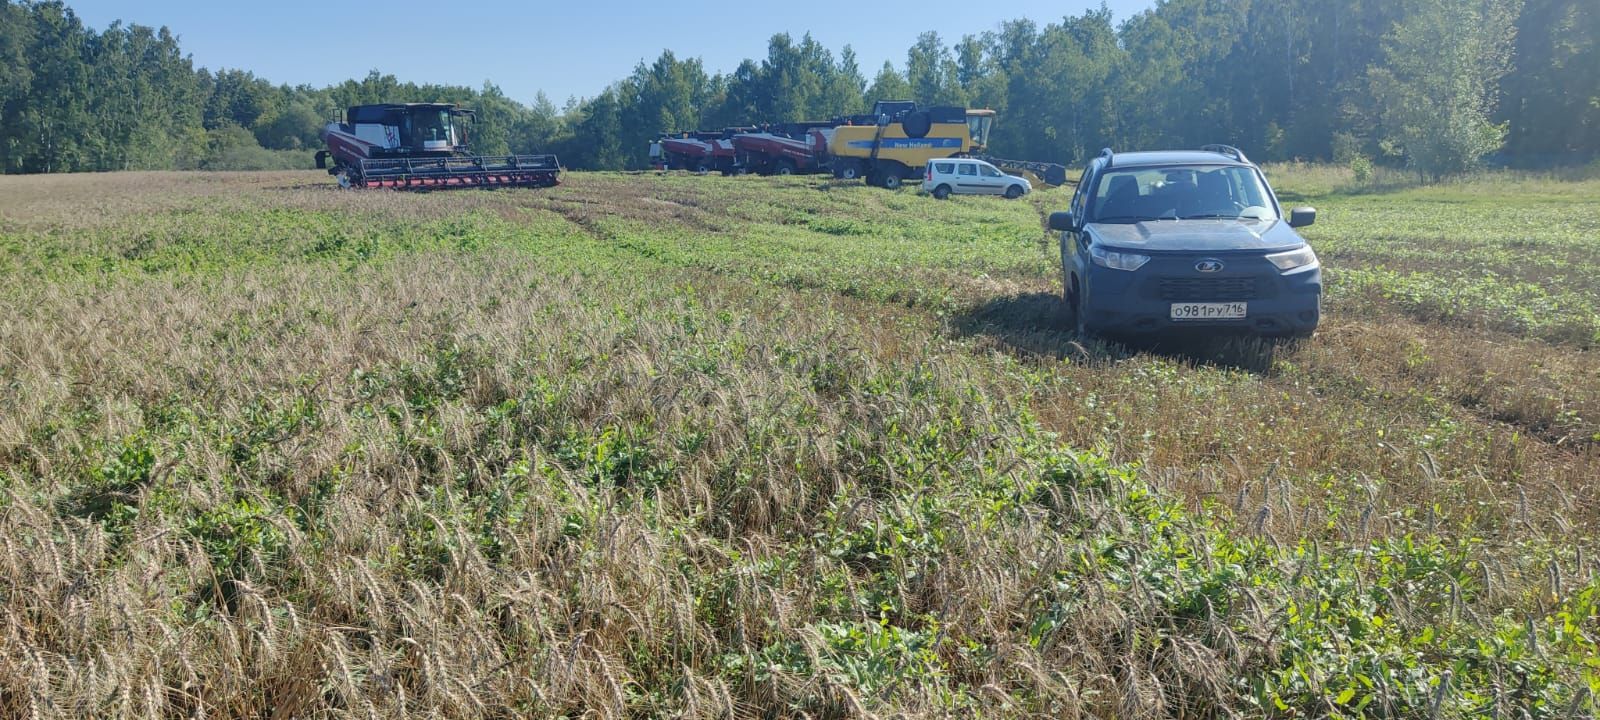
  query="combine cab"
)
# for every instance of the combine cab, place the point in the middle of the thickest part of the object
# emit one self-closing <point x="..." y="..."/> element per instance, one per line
<point x="421" y="146"/>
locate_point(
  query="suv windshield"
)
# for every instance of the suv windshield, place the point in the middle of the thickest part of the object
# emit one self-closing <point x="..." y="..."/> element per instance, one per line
<point x="1191" y="192"/>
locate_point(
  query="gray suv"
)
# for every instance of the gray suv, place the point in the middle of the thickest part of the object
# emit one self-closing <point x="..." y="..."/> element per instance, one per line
<point x="1158" y="242"/>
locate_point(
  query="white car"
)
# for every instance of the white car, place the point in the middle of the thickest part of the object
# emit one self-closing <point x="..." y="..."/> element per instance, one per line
<point x="964" y="176"/>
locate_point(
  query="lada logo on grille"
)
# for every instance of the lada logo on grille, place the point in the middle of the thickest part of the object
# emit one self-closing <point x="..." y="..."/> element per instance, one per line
<point x="1208" y="266"/>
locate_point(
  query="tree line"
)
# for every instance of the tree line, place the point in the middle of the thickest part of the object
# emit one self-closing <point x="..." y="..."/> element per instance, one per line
<point x="1436" y="85"/>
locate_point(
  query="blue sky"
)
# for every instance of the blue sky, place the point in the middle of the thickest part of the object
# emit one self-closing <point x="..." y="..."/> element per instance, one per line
<point x="568" y="48"/>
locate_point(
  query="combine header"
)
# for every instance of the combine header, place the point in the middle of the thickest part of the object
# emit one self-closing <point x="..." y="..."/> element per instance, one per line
<point x="698" y="151"/>
<point x="685" y="150"/>
<point x="422" y="146"/>
<point x="785" y="149"/>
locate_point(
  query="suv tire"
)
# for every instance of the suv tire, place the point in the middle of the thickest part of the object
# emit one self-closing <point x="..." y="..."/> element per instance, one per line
<point x="1013" y="192"/>
<point x="1076" y="316"/>
<point x="942" y="192"/>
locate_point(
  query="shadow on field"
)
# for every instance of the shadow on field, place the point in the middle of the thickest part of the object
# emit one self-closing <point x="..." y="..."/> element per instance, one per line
<point x="1233" y="352"/>
<point x="1032" y="323"/>
<point x="1035" y="324"/>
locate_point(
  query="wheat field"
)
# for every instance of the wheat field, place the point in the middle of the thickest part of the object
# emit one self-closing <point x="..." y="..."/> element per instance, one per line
<point x="676" y="446"/>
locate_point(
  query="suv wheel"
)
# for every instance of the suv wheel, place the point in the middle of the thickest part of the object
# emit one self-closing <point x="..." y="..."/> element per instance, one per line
<point x="1076" y="316"/>
<point x="1013" y="192"/>
<point x="942" y="192"/>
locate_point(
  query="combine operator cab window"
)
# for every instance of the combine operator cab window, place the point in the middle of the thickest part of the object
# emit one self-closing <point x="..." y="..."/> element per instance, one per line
<point x="431" y="126"/>
<point x="978" y="128"/>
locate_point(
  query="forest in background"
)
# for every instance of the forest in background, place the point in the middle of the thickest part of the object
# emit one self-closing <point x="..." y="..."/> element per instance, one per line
<point x="1438" y="86"/>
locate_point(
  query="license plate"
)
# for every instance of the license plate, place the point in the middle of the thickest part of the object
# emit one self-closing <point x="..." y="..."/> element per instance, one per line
<point x="1208" y="311"/>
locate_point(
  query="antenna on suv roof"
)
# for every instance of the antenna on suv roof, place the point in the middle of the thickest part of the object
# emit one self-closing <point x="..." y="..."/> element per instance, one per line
<point x="1228" y="150"/>
<point x="1108" y="155"/>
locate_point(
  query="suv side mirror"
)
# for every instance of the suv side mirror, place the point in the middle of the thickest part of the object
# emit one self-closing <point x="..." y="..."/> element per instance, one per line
<point x="1063" y="221"/>
<point x="1302" y="216"/>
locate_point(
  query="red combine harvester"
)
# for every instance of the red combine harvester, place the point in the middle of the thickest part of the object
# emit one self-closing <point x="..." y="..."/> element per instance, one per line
<point x="724" y="156"/>
<point x="698" y="151"/>
<point x="786" y="149"/>
<point x="687" y="151"/>
<point x="422" y="146"/>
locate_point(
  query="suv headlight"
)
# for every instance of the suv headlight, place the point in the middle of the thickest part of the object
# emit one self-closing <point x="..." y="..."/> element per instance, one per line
<point x="1287" y="261"/>
<point x="1117" y="260"/>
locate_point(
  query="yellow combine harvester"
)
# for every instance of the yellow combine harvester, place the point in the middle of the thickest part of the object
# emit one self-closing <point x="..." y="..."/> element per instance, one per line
<point x="897" y="140"/>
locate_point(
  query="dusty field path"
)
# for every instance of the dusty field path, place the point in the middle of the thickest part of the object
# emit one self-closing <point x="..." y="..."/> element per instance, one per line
<point x="677" y="446"/>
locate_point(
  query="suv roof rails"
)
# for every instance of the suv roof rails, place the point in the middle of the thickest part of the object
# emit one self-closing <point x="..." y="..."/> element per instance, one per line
<point x="1108" y="155"/>
<point x="1228" y="150"/>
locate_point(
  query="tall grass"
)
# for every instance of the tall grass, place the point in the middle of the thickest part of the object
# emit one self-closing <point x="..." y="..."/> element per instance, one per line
<point x="703" y="447"/>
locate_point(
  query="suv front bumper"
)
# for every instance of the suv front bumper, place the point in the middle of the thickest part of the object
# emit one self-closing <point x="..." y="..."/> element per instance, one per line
<point x="1278" y="304"/>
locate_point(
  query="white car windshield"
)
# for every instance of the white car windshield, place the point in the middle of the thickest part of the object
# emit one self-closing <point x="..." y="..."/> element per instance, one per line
<point x="1138" y="194"/>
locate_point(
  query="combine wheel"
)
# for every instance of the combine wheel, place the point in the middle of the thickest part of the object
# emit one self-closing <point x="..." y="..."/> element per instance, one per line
<point x="785" y="167"/>
<point x="890" y="181"/>
<point x="849" y="171"/>
<point x="345" y="180"/>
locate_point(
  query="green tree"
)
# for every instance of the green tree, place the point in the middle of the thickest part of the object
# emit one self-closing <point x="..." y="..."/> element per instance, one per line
<point x="843" y="92"/>
<point x="51" y="126"/>
<point x="1552" y="97"/>
<point x="237" y="97"/>
<point x="143" y="98"/>
<point x="539" y="129"/>
<point x="597" y="137"/>
<point x="932" y="73"/>
<point x="296" y="126"/>
<point x="1437" y="89"/>
<point x="16" y="76"/>
<point x="888" y="85"/>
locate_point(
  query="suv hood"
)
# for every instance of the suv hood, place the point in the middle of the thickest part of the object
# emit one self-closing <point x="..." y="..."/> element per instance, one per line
<point x="1198" y="235"/>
